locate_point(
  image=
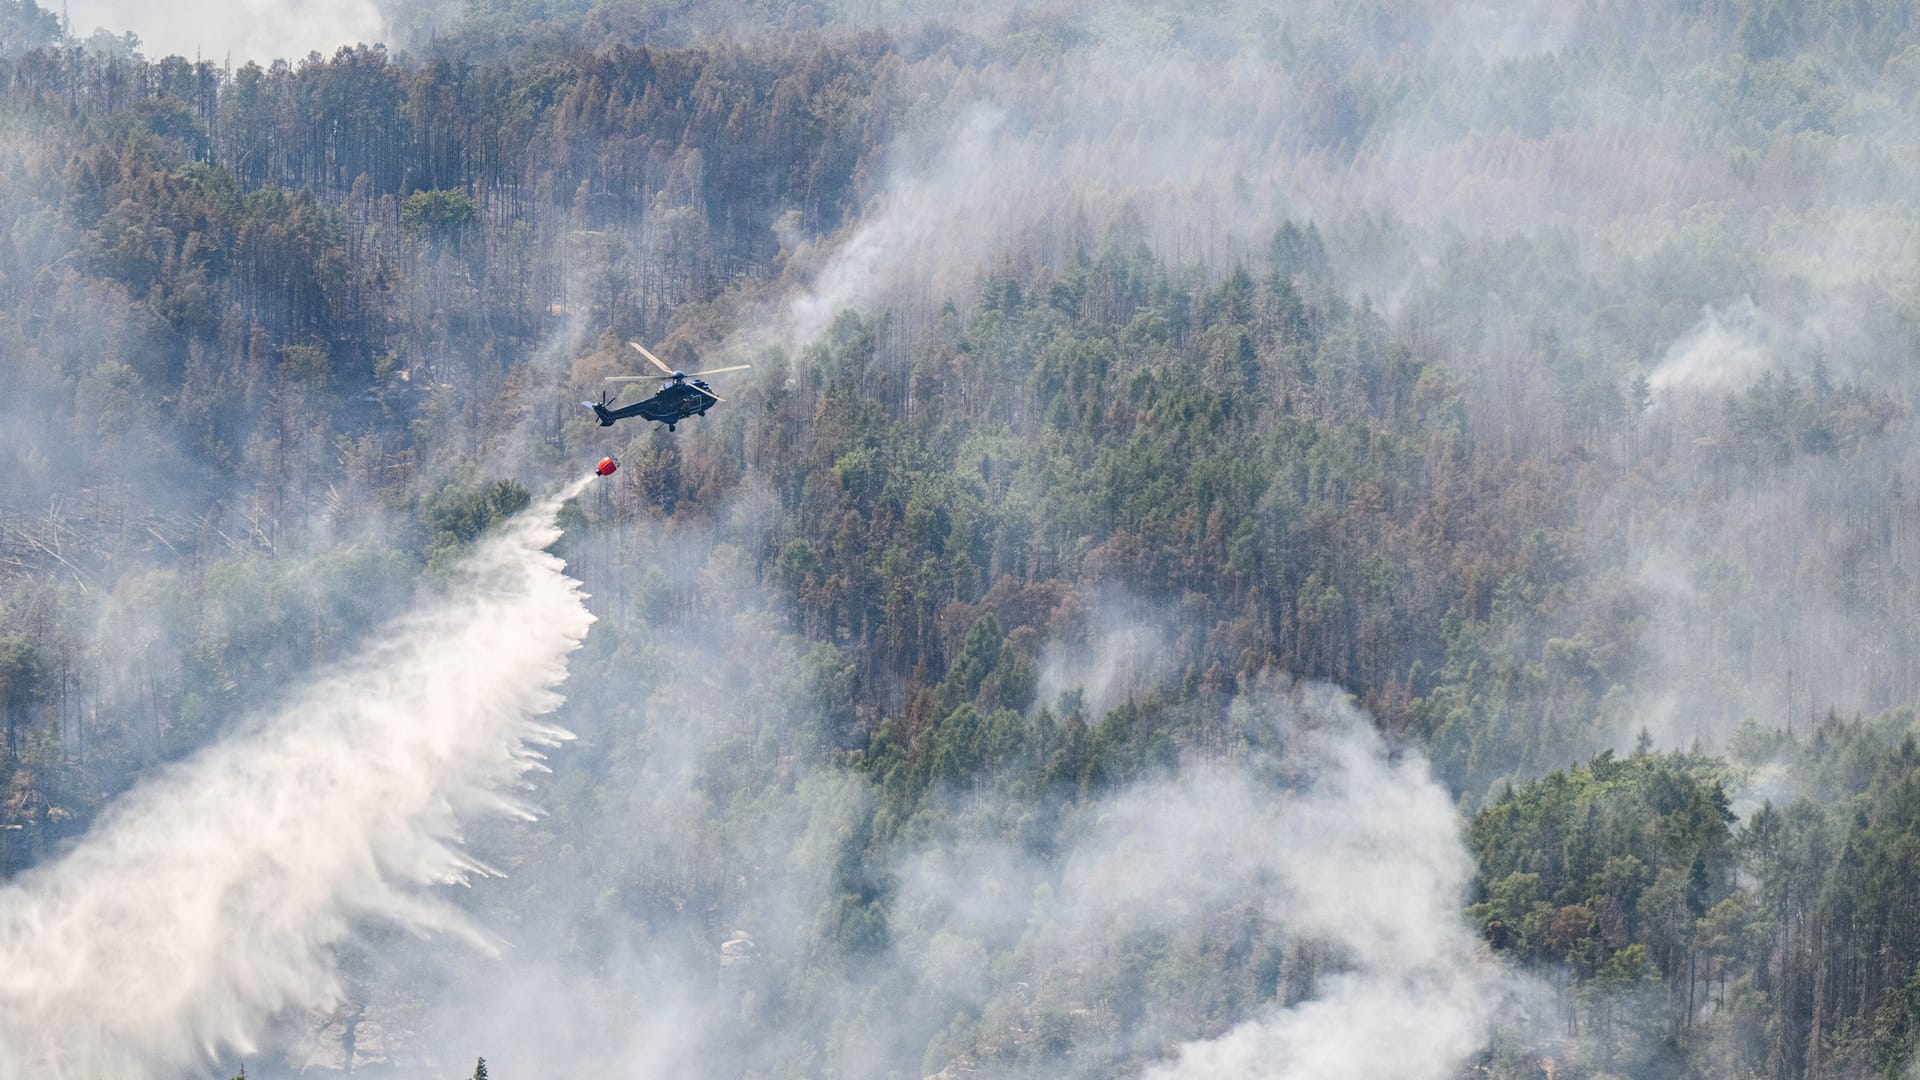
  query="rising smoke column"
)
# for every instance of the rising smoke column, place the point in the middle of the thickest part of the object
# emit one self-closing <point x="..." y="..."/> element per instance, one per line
<point x="1366" y="859"/>
<point x="1315" y="832"/>
<point x="207" y="900"/>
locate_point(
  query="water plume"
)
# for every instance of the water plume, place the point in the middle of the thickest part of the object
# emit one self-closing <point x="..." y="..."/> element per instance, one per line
<point x="209" y="899"/>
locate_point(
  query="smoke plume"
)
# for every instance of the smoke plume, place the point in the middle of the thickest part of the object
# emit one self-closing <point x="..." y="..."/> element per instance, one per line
<point x="1365" y="859"/>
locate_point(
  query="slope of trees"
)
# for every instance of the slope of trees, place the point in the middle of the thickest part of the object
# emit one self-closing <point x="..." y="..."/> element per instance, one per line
<point x="1683" y="938"/>
<point x="276" y="334"/>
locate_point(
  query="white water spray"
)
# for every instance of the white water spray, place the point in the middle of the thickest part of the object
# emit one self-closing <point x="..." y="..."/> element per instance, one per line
<point x="206" y="901"/>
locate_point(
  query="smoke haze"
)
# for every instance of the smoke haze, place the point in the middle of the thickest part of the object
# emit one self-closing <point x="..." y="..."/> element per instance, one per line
<point x="241" y="30"/>
<point x="1671" y="280"/>
<point x="1319" y="863"/>
<point x="1363" y="859"/>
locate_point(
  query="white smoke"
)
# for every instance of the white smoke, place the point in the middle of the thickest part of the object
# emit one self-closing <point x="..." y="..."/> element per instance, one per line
<point x="1354" y="855"/>
<point x="928" y="218"/>
<point x="1725" y="350"/>
<point x="1366" y="859"/>
<point x="1127" y="652"/>
<point x="208" y="900"/>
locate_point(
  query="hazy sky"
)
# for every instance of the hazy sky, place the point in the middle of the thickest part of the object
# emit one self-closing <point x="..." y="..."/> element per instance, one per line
<point x="248" y="29"/>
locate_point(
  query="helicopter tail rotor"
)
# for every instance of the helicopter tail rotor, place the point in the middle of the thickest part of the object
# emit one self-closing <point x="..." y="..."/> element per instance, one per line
<point x="600" y="409"/>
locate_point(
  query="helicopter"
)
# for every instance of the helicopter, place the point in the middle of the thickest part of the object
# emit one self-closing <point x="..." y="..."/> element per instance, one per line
<point x="683" y="395"/>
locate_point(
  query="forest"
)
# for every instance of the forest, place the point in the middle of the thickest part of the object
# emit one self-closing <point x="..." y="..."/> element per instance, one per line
<point x="1479" y="437"/>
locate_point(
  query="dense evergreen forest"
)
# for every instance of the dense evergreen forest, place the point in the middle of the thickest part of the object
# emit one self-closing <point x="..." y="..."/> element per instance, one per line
<point x="1541" y="379"/>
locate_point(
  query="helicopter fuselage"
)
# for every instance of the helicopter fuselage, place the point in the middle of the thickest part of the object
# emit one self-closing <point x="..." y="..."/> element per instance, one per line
<point x="673" y="403"/>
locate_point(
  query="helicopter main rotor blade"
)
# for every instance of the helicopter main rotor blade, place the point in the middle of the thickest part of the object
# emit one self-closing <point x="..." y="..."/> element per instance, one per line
<point x="656" y="360"/>
<point x="633" y="378"/>
<point x="709" y="393"/>
<point x="718" y="370"/>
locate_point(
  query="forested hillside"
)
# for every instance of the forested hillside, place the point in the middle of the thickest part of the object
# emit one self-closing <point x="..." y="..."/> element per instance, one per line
<point x="1169" y="433"/>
